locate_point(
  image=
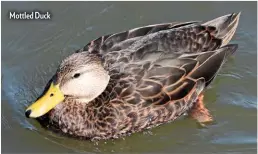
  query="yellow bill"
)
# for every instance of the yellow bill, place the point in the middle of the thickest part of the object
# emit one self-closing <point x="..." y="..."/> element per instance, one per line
<point x="47" y="102"/>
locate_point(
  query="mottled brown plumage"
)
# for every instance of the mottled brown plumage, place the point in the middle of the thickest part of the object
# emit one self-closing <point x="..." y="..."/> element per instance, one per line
<point x="157" y="73"/>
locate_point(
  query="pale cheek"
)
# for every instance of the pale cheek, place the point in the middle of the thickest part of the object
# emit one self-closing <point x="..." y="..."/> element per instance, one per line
<point x="87" y="86"/>
<point x="74" y="89"/>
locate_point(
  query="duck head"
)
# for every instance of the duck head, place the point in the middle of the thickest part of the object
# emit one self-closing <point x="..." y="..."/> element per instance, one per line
<point x="81" y="77"/>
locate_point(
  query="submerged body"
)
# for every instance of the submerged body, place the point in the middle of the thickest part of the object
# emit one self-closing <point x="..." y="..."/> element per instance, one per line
<point x="130" y="81"/>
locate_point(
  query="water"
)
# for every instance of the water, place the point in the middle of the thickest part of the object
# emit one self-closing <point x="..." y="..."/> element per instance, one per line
<point x="31" y="51"/>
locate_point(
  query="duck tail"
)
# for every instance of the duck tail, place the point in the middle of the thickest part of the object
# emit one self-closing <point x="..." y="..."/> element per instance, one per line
<point x="226" y="26"/>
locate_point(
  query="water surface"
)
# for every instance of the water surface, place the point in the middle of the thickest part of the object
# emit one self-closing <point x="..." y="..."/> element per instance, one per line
<point x="31" y="51"/>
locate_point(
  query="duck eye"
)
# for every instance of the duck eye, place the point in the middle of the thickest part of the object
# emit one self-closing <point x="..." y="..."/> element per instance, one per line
<point x="76" y="75"/>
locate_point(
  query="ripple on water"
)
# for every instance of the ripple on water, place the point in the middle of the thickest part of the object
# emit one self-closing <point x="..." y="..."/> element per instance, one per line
<point x="246" y="101"/>
<point x="235" y="138"/>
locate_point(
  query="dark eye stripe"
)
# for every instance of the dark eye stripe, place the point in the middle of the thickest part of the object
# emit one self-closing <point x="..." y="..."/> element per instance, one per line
<point x="76" y="75"/>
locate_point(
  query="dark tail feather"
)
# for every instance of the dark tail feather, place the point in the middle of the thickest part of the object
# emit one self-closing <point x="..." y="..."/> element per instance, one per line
<point x="226" y="26"/>
<point x="210" y="67"/>
<point x="231" y="50"/>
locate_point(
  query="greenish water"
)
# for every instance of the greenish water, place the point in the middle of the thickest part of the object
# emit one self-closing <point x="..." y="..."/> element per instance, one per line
<point x="31" y="51"/>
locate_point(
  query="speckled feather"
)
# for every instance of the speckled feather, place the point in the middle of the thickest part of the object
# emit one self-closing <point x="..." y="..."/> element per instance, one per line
<point x="156" y="74"/>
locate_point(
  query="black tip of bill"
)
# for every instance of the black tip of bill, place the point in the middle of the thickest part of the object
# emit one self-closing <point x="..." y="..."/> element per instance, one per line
<point x="27" y="113"/>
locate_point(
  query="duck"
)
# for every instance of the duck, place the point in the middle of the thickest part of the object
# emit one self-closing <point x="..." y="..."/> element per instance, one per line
<point x="131" y="81"/>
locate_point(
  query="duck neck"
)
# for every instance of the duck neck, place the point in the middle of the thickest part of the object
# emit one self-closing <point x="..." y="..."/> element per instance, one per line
<point x="73" y="118"/>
